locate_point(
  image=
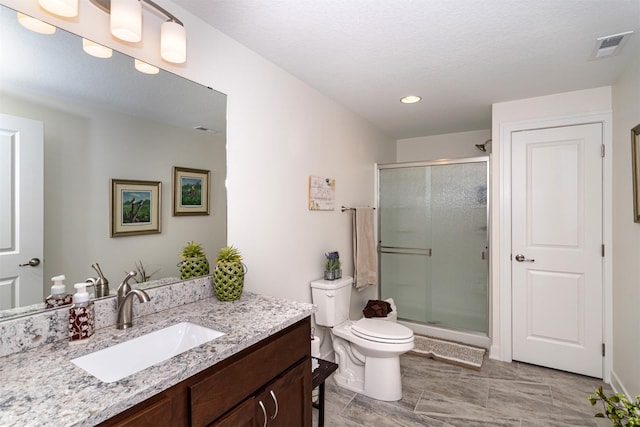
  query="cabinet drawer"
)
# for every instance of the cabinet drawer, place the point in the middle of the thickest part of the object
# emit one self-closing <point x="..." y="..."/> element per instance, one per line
<point x="216" y="392"/>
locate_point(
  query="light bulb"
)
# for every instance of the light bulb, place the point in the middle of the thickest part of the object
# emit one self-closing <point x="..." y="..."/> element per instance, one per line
<point x="143" y="67"/>
<point x="66" y="8"/>
<point x="411" y="99"/>
<point x="173" y="42"/>
<point x="95" y="49"/>
<point x="126" y="20"/>
<point x="34" y="24"/>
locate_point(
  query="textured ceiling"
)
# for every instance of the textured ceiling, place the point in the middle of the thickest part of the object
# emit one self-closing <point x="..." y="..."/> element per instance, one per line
<point x="459" y="55"/>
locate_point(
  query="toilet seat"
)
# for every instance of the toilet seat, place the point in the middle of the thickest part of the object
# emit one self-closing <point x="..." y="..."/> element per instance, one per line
<point x="381" y="331"/>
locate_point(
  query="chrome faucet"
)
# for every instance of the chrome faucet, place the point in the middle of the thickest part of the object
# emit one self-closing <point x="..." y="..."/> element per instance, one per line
<point x="125" y="302"/>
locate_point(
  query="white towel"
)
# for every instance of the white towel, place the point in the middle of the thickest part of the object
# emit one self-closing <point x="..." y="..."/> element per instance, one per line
<point x="365" y="259"/>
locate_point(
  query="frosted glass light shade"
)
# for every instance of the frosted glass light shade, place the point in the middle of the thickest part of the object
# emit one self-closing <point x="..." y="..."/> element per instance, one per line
<point x="95" y="49"/>
<point x="66" y="8"/>
<point x="126" y="20"/>
<point x="34" y="24"/>
<point x="173" y="42"/>
<point x="143" y="67"/>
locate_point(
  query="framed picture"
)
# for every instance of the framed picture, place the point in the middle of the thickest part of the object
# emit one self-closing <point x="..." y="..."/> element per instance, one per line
<point x="635" y="168"/>
<point x="135" y="207"/>
<point x="190" y="191"/>
<point x="322" y="193"/>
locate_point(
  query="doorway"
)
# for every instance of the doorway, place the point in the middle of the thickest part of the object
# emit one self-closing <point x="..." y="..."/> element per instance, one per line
<point x="557" y="247"/>
<point x="21" y="218"/>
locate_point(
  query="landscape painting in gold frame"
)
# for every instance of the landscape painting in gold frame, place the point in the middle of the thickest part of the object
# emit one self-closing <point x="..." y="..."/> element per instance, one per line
<point x="191" y="191"/>
<point x="135" y="207"/>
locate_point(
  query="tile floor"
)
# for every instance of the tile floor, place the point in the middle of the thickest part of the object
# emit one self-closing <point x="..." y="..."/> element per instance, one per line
<point x="441" y="395"/>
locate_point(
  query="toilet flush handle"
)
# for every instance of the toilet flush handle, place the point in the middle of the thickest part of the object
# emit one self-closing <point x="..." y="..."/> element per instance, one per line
<point x="330" y="294"/>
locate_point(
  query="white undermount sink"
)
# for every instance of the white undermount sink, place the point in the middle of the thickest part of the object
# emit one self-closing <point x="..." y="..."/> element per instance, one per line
<point x="121" y="360"/>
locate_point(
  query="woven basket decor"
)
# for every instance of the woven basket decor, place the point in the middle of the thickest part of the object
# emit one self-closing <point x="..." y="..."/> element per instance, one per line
<point x="228" y="280"/>
<point x="193" y="267"/>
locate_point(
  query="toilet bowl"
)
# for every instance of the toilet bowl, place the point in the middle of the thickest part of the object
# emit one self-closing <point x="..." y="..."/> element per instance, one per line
<point x="367" y="350"/>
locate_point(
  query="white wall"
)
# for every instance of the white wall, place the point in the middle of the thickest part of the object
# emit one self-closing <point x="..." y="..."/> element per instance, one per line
<point x="626" y="236"/>
<point x="279" y="132"/>
<point x="446" y="146"/>
<point x="84" y="147"/>
<point x="520" y="114"/>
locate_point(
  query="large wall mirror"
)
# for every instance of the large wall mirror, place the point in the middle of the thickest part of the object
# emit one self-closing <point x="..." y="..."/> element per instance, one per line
<point x="102" y="120"/>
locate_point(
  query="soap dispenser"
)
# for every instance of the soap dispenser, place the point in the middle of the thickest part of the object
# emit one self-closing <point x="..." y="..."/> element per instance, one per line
<point x="59" y="296"/>
<point x="81" y="315"/>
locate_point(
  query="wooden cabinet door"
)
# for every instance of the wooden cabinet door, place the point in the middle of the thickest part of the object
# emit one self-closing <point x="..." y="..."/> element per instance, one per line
<point x="163" y="410"/>
<point x="243" y="416"/>
<point x="288" y="398"/>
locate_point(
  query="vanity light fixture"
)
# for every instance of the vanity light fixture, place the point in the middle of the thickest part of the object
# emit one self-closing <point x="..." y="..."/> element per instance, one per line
<point x="411" y="99"/>
<point x="173" y="42"/>
<point x="143" y="67"/>
<point x="126" y="23"/>
<point x="66" y="8"/>
<point x="96" y="49"/>
<point x="126" y="20"/>
<point x="34" y="24"/>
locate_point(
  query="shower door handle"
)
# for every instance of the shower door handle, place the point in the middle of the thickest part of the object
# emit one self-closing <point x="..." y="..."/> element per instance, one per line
<point x="402" y="250"/>
<point x="521" y="258"/>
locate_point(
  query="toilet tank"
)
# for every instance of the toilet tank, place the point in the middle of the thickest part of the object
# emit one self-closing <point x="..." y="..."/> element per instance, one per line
<point x="332" y="297"/>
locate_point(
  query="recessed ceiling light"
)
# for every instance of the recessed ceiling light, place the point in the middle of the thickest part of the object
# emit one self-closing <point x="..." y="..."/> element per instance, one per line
<point x="411" y="99"/>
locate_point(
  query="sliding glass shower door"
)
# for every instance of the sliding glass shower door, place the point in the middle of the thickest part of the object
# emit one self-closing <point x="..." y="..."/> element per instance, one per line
<point x="433" y="242"/>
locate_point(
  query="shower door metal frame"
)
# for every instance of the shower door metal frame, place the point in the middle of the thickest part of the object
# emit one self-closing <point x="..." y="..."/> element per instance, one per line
<point x="427" y="251"/>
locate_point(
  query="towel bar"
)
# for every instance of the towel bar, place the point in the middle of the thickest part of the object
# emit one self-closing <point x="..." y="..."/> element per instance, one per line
<point x="344" y="208"/>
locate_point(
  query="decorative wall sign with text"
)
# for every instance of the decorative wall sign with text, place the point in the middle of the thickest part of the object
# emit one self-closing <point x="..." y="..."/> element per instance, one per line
<point x="322" y="192"/>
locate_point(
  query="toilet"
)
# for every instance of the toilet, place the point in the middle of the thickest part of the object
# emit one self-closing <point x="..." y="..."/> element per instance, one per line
<point x="368" y="350"/>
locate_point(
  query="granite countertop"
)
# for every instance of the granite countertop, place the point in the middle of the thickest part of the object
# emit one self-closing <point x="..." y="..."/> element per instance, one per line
<point x="41" y="387"/>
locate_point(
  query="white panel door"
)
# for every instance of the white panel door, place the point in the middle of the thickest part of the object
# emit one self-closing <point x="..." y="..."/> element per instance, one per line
<point x="557" y="248"/>
<point x="21" y="212"/>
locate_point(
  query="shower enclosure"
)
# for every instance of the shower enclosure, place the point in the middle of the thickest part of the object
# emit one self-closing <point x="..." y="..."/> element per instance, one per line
<point x="433" y="245"/>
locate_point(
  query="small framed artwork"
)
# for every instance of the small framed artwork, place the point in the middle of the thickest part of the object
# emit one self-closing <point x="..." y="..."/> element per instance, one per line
<point x="635" y="168"/>
<point x="135" y="207"/>
<point x="322" y="193"/>
<point x="190" y="191"/>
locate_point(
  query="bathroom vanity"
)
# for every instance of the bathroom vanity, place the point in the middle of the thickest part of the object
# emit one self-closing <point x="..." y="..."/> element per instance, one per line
<point x="261" y="361"/>
<point x="268" y="383"/>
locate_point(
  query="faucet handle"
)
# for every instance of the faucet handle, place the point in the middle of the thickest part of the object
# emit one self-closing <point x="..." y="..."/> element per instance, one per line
<point x="124" y="287"/>
<point x="101" y="277"/>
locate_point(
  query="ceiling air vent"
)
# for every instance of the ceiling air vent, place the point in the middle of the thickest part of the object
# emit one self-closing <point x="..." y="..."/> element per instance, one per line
<point x="609" y="45"/>
<point x="205" y="129"/>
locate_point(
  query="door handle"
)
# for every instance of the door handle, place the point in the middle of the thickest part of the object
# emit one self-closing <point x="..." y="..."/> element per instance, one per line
<point x="521" y="258"/>
<point x="33" y="262"/>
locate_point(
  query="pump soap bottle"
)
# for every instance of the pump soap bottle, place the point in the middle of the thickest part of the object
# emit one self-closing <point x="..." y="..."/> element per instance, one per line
<point x="59" y="296"/>
<point x="82" y="315"/>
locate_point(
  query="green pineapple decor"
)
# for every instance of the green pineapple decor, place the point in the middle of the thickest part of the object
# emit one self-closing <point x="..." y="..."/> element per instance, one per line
<point x="228" y="275"/>
<point x="194" y="261"/>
